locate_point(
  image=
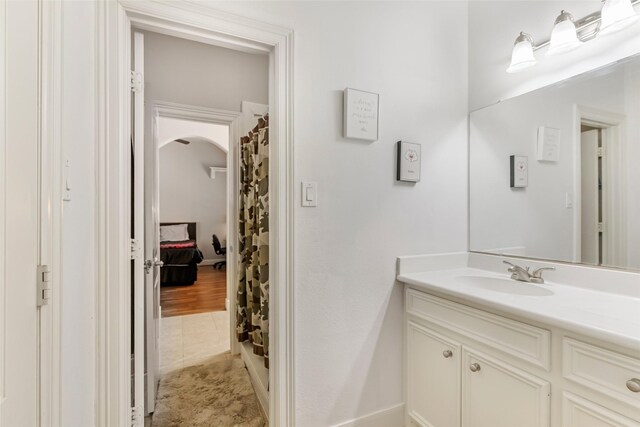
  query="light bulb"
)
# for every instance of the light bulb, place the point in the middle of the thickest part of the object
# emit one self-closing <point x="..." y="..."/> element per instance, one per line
<point x="564" y="36"/>
<point x="522" y="55"/>
<point x="616" y="15"/>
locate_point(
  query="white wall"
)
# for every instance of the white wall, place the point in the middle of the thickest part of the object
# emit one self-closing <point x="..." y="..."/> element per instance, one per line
<point x="188" y="72"/>
<point x="188" y="194"/>
<point x="493" y="27"/>
<point x="535" y="217"/>
<point x="78" y="238"/>
<point x="348" y="306"/>
<point x="169" y="129"/>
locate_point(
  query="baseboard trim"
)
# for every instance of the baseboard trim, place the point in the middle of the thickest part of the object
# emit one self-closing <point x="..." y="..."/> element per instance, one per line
<point x="389" y="417"/>
<point x="260" y="382"/>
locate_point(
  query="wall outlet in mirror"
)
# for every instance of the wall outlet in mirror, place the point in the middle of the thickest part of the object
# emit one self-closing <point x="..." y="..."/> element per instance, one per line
<point x="548" y="149"/>
<point x="519" y="171"/>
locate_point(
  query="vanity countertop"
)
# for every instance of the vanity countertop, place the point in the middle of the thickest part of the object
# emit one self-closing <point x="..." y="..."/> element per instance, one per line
<point x="607" y="316"/>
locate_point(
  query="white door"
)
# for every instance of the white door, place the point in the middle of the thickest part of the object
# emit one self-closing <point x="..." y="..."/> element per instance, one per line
<point x="433" y="378"/>
<point x="151" y="255"/>
<point x="589" y="209"/>
<point x="495" y="394"/>
<point x="138" y="228"/>
<point x="19" y="196"/>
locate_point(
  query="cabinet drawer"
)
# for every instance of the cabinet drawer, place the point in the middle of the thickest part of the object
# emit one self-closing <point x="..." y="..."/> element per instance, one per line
<point x="517" y="339"/>
<point x="579" y="412"/>
<point x="602" y="370"/>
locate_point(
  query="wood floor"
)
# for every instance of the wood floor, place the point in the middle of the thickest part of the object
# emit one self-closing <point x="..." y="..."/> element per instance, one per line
<point x="207" y="294"/>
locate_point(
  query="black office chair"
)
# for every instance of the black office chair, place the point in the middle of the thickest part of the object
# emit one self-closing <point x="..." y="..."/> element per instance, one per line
<point x="219" y="250"/>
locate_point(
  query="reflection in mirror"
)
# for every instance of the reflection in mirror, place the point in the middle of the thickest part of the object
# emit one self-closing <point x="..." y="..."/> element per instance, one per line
<point x="555" y="173"/>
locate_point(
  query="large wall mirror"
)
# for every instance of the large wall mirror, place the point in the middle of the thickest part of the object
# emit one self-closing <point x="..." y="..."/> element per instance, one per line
<point x="555" y="173"/>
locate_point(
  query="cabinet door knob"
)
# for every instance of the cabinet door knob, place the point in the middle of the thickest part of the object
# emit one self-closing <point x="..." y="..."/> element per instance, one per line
<point x="447" y="354"/>
<point x="474" y="367"/>
<point x="634" y="385"/>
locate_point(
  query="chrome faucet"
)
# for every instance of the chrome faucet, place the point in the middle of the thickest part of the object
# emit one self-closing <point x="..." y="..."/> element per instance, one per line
<point x="523" y="275"/>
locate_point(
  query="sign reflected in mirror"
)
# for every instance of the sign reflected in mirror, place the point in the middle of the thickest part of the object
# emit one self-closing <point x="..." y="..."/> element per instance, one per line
<point x="581" y="201"/>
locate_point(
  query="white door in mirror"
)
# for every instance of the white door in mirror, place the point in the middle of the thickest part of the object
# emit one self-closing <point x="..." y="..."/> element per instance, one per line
<point x="309" y="194"/>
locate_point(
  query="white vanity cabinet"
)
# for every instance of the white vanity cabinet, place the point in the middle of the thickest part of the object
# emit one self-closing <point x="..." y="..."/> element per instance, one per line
<point x="466" y="367"/>
<point x="453" y="384"/>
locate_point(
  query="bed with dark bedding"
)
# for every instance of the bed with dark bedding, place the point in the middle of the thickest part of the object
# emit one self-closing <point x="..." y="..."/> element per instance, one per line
<point x="180" y="258"/>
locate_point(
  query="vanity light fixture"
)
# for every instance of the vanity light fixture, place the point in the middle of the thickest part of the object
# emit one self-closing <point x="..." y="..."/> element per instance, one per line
<point x="569" y="34"/>
<point x="522" y="56"/>
<point x="616" y="15"/>
<point x="564" y="36"/>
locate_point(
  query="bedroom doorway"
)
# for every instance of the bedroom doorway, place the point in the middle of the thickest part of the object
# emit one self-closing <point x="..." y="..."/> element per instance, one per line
<point x="192" y="209"/>
<point x="191" y="183"/>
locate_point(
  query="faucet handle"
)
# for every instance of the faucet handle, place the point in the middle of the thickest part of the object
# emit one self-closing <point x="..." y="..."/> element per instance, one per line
<point x="512" y="267"/>
<point x="538" y="272"/>
<point x="515" y="266"/>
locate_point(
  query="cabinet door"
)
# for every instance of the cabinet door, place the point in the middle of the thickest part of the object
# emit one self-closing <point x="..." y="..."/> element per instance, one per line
<point x="433" y="378"/>
<point x="579" y="412"/>
<point x="495" y="394"/>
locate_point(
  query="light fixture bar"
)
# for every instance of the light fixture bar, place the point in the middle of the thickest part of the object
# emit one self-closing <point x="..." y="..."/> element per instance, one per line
<point x="582" y="24"/>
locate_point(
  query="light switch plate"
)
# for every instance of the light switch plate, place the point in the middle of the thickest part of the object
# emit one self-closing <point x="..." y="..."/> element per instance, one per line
<point x="568" y="200"/>
<point x="309" y="194"/>
<point x="66" y="178"/>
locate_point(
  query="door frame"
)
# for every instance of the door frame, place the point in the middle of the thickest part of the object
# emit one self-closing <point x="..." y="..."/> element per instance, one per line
<point x="228" y="118"/>
<point x="115" y="20"/>
<point x="51" y="166"/>
<point x="615" y="208"/>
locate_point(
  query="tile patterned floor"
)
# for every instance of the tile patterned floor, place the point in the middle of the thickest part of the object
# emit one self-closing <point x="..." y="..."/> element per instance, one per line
<point x="188" y="340"/>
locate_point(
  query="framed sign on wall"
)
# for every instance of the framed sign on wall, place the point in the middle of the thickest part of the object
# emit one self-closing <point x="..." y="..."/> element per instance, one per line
<point x="409" y="159"/>
<point x="361" y="114"/>
<point x="518" y="171"/>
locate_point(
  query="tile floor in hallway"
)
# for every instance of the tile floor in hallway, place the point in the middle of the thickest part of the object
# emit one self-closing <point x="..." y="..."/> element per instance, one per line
<point x="190" y="339"/>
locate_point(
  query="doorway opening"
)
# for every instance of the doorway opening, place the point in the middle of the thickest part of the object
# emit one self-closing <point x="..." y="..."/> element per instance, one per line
<point x="114" y="102"/>
<point x="192" y="191"/>
<point x="593" y="194"/>
<point x="600" y="238"/>
<point x="190" y="166"/>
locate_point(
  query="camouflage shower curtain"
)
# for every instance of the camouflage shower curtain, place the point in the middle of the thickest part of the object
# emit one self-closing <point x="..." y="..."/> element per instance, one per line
<point x="252" y="314"/>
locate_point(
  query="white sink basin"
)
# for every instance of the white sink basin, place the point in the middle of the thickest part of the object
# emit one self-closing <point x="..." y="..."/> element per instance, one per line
<point x="505" y="286"/>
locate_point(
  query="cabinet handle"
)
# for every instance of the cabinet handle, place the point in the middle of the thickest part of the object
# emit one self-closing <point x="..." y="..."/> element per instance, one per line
<point x="474" y="367"/>
<point x="447" y="354"/>
<point x="634" y="385"/>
